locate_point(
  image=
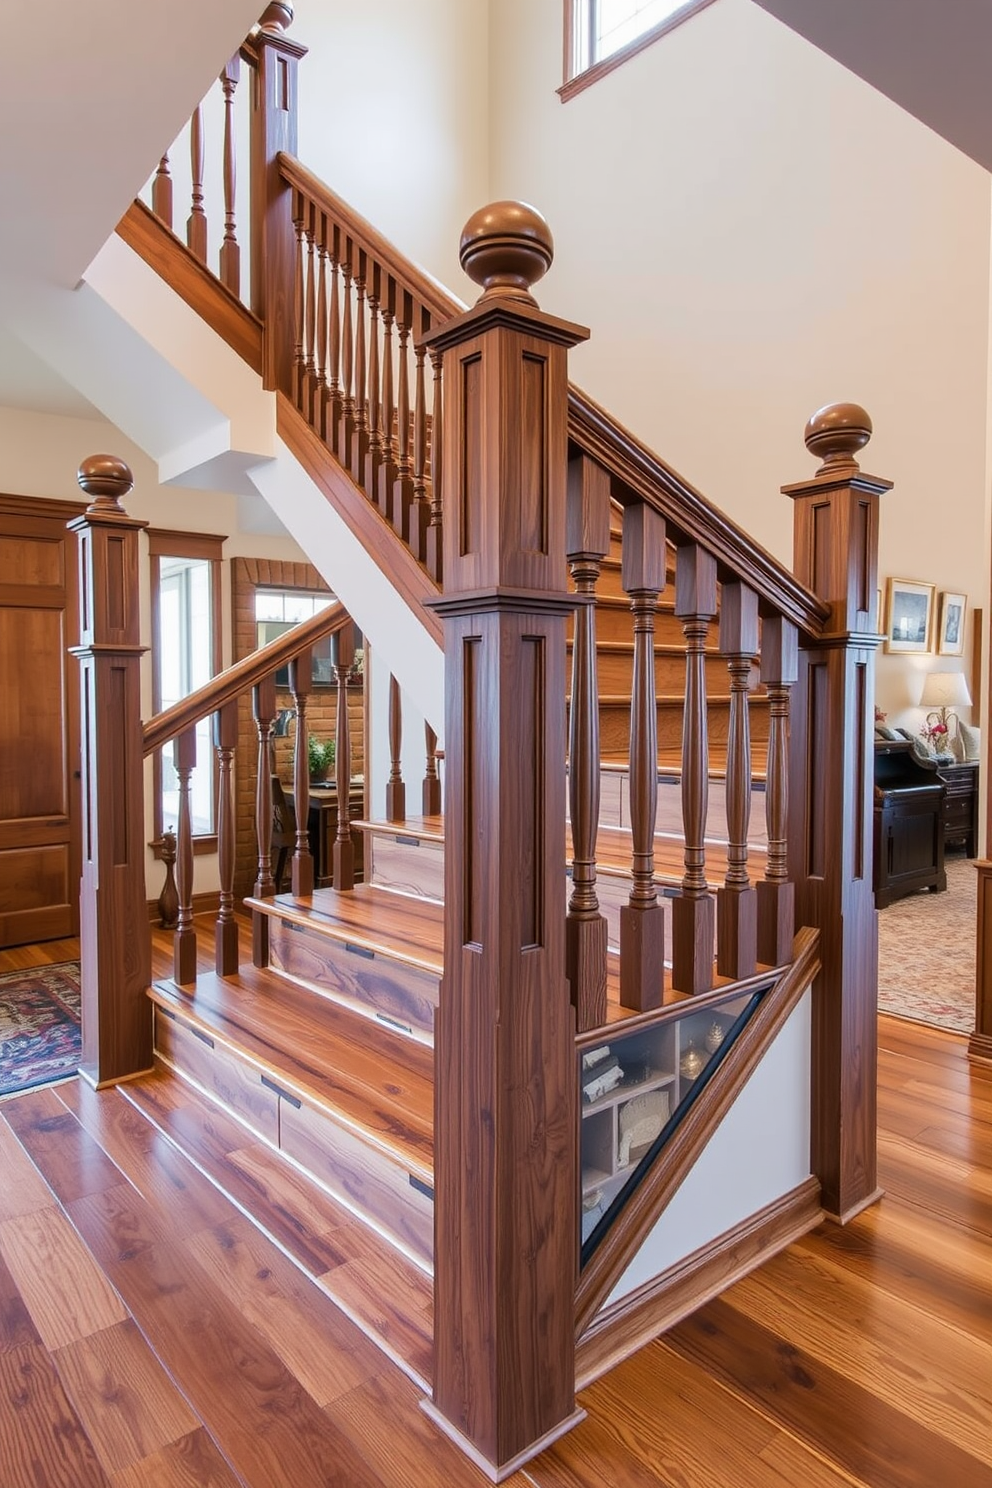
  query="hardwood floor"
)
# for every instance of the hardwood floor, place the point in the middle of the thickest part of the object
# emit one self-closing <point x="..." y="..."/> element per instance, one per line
<point x="151" y="1337"/>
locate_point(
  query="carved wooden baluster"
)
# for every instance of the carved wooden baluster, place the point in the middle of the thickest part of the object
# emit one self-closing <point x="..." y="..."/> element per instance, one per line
<point x="343" y="450"/>
<point x="404" y="463"/>
<point x="642" y="926"/>
<point x="434" y="534"/>
<point x="387" y="474"/>
<point x="420" y="514"/>
<point x="776" y="892"/>
<point x="300" y="683"/>
<point x="587" y="541"/>
<point x="196" y="224"/>
<point x="264" y="711"/>
<point x="299" y="330"/>
<point x="230" y="251"/>
<point x="395" y="789"/>
<point x="374" y="457"/>
<point x="226" y="930"/>
<point x="361" y="373"/>
<point x="432" y="783"/>
<point x="310" y="331"/>
<point x="184" y="955"/>
<point x="332" y="430"/>
<point x="162" y="192"/>
<point x="343" y="657"/>
<point x="736" y="908"/>
<point x="693" y="912"/>
<point x="321" y="395"/>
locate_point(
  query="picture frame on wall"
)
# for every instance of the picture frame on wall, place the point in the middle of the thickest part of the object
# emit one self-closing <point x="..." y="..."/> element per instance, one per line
<point x="909" y="616"/>
<point x="950" y="624"/>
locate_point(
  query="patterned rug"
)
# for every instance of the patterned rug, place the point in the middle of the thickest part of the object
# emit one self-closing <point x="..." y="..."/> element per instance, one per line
<point x="926" y="953"/>
<point x="39" y="1026"/>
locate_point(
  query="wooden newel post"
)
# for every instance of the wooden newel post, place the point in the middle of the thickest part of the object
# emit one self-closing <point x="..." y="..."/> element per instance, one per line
<point x="506" y="1230"/>
<point x="273" y="236"/>
<point x="830" y="816"/>
<point x="115" y="948"/>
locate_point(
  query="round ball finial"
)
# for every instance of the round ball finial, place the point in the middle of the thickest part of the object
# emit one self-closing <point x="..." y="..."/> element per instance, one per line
<point x="506" y="247"/>
<point x="107" y="480"/>
<point x="836" y="433"/>
<point x="276" y="17"/>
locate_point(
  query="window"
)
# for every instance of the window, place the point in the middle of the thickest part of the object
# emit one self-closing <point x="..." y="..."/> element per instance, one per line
<point x="186" y="653"/>
<point x="600" y="34"/>
<point x="278" y="610"/>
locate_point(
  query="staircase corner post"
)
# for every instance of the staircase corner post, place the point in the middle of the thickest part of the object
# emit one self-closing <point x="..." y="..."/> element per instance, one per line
<point x="115" y="946"/>
<point x="506" y="1223"/>
<point x="831" y="800"/>
<point x="273" y="234"/>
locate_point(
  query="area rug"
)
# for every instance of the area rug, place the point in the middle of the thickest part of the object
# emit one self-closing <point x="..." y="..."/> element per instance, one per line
<point x="39" y="1026"/>
<point x="926" y="953"/>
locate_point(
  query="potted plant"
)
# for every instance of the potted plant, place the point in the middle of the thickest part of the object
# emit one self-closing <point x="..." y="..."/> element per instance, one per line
<point x="321" y="757"/>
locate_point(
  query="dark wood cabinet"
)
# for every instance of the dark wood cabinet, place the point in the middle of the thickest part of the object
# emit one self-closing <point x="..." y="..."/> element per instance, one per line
<point x="909" y="824"/>
<point x="961" y="805"/>
<point x="322" y="828"/>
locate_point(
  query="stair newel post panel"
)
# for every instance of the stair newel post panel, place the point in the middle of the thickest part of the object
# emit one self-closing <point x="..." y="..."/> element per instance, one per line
<point x="299" y="309"/>
<point x="830" y="820"/>
<point x="506" y="1179"/>
<point x="776" y="893"/>
<point x="230" y="249"/>
<point x="264" y="713"/>
<point x="184" y="943"/>
<point x="196" y="223"/>
<point x="343" y="659"/>
<point x="225" y="727"/>
<point x="162" y="192"/>
<point x="642" y="923"/>
<point x="587" y="541"/>
<point x="395" y="788"/>
<point x="737" y="909"/>
<point x="300" y="683"/>
<point x="273" y="129"/>
<point x="115" y="950"/>
<point x="694" y="910"/>
<point x="432" y="782"/>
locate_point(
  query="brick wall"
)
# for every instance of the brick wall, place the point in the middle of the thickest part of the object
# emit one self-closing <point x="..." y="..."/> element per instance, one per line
<point x="247" y="575"/>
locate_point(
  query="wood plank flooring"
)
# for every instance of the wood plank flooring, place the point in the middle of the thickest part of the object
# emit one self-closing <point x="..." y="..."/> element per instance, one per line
<point x="150" y="1337"/>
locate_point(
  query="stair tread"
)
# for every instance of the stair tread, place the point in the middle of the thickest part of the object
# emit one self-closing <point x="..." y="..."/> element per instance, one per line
<point x="402" y="927"/>
<point x="425" y="828"/>
<point x="376" y="1084"/>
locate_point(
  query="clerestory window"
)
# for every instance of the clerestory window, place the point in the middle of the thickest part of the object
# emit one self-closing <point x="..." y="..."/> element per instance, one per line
<point x="601" y="34"/>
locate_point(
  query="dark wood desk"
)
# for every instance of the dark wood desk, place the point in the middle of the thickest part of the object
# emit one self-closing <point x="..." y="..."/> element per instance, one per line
<point x="322" y="828"/>
<point x="961" y="805"/>
<point x="909" y="833"/>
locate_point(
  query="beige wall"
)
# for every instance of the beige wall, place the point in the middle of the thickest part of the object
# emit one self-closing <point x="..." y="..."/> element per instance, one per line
<point x="750" y="232"/>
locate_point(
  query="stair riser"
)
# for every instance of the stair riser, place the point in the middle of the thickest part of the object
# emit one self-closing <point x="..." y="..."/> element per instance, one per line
<point x="400" y="996"/>
<point x="377" y="1190"/>
<point x="614" y="724"/>
<point x="614" y="622"/>
<point x="407" y="864"/>
<point x="615" y="672"/>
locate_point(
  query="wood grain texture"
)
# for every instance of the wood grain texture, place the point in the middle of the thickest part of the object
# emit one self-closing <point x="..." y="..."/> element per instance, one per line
<point x="64" y="1290"/>
<point x="43" y="1443"/>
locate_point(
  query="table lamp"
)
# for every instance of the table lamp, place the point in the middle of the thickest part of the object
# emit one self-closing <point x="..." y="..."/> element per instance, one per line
<point x="942" y="693"/>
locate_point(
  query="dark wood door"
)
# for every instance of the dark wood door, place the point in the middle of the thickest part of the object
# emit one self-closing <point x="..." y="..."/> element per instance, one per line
<point x="39" y="723"/>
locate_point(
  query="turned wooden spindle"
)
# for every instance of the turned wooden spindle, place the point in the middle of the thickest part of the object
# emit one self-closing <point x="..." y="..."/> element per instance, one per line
<point x="300" y="684"/>
<point x="343" y="658"/>
<point x="310" y="334"/>
<point x="642" y="925"/>
<point x="332" y="421"/>
<point x="776" y="892"/>
<point x="587" y="541"/>
<point x="361" y="435"/>
<point x="162" y="192"/>
<point x="395" y="789"/>
<point x="435" y="538"/>
<point x="404" y="463"/>
<point x="225" y="728"/>
<point x="299" y="280"/>
<point x="693" y="911"/>
<point x="420" y="513"/>
<point x="386" y="495"/>
<point x="736" y="909"/>
<point x="168" y="900"/>
<point x="196" y="224"/>
<point x="347" y="360"/>
<point x="264" y="713"/>
<point x="322" y="395"/>
<point x="374" y="457"/>
<point x="230" y="250"/>
<point x="432" y="781"/>
<point x="184" y="945"/>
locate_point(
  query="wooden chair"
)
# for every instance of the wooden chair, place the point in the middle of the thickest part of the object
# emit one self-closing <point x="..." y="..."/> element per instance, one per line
<point x="283" y="830"/>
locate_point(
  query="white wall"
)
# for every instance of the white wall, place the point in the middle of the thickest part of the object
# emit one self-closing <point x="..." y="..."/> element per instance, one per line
<point x="751" y="232"/>
<point x="394" y="117"/>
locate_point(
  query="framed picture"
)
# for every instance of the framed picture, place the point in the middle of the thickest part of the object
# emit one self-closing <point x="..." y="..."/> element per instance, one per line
<point x="950" y="625"/>
<point x="908" y="615"/>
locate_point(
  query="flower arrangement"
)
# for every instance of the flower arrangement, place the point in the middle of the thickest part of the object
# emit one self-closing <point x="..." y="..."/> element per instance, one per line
<point x="935" y="734"/>
<point x="320" y="753"/>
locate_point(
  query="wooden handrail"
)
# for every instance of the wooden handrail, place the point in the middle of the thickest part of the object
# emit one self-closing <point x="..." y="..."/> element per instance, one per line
<point x="239" y="677"/>
<point x="415" y="280"/>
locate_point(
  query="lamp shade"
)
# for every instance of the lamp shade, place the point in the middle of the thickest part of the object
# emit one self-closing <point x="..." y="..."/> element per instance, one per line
<point x="945" y="690"/>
